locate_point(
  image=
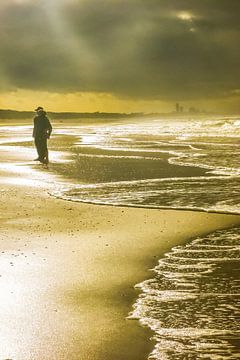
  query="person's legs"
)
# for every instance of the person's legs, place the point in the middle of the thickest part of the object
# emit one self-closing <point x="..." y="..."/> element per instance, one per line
<point x="41" y="146"/>
<point x="37" y="141"/>
<point x="46" y="157"/>
<point x="45" y="150"/>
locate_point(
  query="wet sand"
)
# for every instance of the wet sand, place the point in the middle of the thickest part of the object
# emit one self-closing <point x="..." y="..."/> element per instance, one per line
<point x="68" y="272"/>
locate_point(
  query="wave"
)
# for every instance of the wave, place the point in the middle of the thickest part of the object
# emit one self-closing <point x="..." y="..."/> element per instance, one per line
<point x="192" y="304"/>
<point x="210" y="194"/>
<point x="207" y="144"/>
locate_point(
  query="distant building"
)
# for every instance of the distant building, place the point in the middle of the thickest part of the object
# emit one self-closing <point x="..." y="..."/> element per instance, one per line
<point x="179" y="108"/>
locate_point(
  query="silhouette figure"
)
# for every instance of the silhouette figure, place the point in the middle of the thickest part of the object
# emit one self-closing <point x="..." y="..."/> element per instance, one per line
<point x="41" y="133"/>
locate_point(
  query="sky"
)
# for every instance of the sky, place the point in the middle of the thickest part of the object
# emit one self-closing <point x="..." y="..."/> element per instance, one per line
<point x="120" y="55"/>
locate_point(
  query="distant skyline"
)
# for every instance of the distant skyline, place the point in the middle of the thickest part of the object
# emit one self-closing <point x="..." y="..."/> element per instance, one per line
<point x="120" y="55"/>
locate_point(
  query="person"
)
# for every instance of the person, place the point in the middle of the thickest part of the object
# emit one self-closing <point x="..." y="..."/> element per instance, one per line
<point x="41" y="133"/>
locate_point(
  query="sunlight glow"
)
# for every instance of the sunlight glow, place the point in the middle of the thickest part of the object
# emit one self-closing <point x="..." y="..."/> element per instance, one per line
<point x="74" y="45"/>
<point x="185" y="15"/>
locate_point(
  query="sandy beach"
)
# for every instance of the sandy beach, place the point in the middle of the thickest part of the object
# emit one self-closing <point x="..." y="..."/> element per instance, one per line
<point x="68" y="269"/>
<point x="119" y="180"/>
<point x="68" y="272"/>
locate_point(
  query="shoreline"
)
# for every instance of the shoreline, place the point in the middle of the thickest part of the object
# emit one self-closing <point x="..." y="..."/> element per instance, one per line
<point x="150" y="207"/>
<point x="68" y="270"/>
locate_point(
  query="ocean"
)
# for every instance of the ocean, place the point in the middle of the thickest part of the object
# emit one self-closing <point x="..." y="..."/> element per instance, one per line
<point x="192" y="301"/>
<point x="180" y="164"/>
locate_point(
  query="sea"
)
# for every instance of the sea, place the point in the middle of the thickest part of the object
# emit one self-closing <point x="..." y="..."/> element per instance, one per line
<point x="192" y="301"/>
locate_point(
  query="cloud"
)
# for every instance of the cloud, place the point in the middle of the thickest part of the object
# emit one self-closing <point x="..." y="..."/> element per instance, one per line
<point x="155" y="49"/>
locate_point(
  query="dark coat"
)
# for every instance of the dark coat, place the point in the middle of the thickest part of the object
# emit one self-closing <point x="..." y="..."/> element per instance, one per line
<point x="42" y="126"/>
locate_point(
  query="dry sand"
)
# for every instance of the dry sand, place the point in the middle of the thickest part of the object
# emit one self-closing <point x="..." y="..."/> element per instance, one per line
<point x="68" y="272"/>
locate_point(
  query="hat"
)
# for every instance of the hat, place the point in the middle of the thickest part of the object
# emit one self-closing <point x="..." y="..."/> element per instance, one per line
<point x="39" y="108"/>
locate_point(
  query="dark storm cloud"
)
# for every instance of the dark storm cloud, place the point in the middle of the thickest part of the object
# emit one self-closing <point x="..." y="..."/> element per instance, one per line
<point x="151" y="49"/>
